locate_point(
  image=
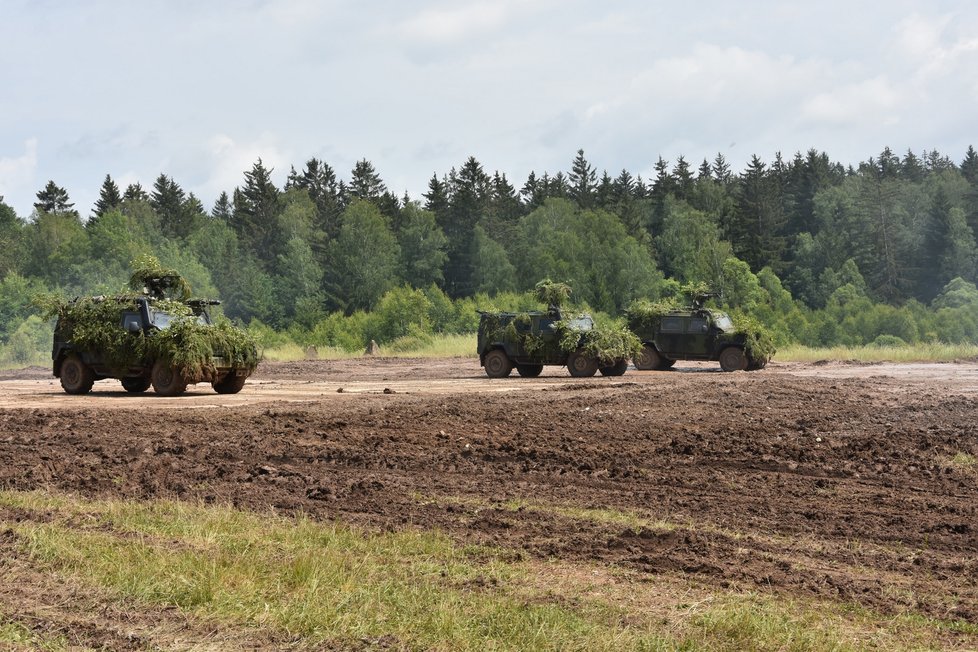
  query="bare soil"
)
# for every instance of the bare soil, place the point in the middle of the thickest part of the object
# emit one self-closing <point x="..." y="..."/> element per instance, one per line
<point x="840" y="481"/>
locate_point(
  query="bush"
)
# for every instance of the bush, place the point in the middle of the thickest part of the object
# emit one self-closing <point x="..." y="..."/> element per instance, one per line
<point x="888" y="342"/>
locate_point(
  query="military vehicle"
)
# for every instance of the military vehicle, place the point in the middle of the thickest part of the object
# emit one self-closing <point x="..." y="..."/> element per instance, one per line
<point x="147" y="342"/>
<point x="695" y="333"/>
<point x="530" y="340"/>
<point x="154" y="335"/>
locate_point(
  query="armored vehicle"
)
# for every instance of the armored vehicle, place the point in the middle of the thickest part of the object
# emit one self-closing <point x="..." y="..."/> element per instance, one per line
<point x="696" y="333"/>
<point x="144" y="341"/>
<point x="530" y="340"/>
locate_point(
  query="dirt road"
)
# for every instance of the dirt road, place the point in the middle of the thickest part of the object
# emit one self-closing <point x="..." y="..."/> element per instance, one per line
<point x="844" y="481"/>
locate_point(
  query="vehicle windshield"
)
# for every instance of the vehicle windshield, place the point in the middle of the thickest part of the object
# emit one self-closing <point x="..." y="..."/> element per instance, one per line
<point x="723" y="322"/>
<point x="581" y="323"/>
<point x="162" y="320"/>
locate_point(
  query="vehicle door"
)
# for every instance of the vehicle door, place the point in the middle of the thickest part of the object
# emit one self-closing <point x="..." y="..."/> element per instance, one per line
<point x="669" y="340"/>
<point x="696" y="336"/>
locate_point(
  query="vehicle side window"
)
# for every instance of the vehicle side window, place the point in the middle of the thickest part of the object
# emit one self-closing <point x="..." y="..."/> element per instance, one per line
<point x="697" y="325"/>
<point x="672" y="325"/>
<point x="523" y="326"/>
<point x="129" y="318"/>
<point x="546" y="324"/>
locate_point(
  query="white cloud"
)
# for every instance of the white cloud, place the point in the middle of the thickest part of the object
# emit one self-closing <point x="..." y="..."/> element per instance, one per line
<point x="872" y="101"/>
<point x="926" y="41"/>
<point x="456" y="23"/>
<point x="17" y="173"/>
<point x="226" y="160"/>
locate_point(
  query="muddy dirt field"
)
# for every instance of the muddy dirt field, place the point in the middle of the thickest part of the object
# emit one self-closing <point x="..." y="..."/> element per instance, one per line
<point x="841" y="481"/>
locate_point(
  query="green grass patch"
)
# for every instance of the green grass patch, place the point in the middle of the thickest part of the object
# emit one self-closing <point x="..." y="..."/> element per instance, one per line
<point x="18" y="636"/>
<point x="434" y="346"/>
<point x="331" y="582"/>
<point x="931" y="352"/>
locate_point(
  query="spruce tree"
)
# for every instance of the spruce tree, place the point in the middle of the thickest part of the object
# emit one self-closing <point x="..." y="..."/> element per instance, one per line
<point x="222" y="208"/>
<point x="108" y="198"/>
<point x="53" y="199"/>
<point x="583" y="181"/>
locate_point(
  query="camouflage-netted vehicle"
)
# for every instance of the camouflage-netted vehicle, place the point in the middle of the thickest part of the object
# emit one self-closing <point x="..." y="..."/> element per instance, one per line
<point x="530" y="340"/>
<point x="696" y="333"/>
<point x="156" y="337"/>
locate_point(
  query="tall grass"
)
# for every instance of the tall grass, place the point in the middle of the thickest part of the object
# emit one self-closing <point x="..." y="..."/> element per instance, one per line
<point x="434" y="346"/>
<point x="929" y="352"/>
<point x="329" y="583"/>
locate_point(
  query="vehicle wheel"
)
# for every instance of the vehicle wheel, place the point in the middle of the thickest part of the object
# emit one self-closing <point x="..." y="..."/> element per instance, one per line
<point x="733" y="359"/>
<point x="754" y="365"/>
<point x="667" y="363"/>
<point x="230" y="384"/>
<point x="167" y="379"/>
<point x="497" y="364"/>
<point x="649" y="359"/>
<point x="581" y="365"/>
<point x="529" y="370"/>
<point x="136" y="384"/>
<point x="76" y="376"/>
<point x="617" y="369"/>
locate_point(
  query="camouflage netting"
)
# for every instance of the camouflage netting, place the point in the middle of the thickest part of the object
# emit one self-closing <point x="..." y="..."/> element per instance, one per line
<point x="645" y="316"/>
<point x="149" y="277"/>
<point x="759" y="344"/>
<point x="607" y="344"/>
<point x="93" y="323"/>
<point x="611" y="344"/>
<point x="551" y="293"/>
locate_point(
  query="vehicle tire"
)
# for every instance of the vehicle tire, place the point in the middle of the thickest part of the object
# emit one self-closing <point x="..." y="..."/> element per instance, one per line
<point x="732" y="358"/>
<point x="135" y="384"/>
<point x="497" y="364"/>
<point x="76" y="376"/>
<point x="648" y="360"/>
<point x="167" y="379"/>
<point x="754" y="365"/>
<point x="617" y="369"/>
<point x="529" y="370"/>
<point x="230" y="384"/>
<point x="667" y="363"/>
<point x="581" y="365"/>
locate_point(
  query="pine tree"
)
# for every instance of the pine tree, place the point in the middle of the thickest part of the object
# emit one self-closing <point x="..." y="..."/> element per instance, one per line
<point x="319" y="180"/>
<point x="758" y="219"/>
<point x="911" y="168"/>
<point x="664" y="183"/>
<point x="53" y="199"/>
<point x="135" y="192"/>
<point x="222" y="208"/>
<point x="365" y="182"/>
<point x="469" y="193"/>
<point x="532" y="192"/>
<point x="969" y="166"/>
<point x="108" y="198"/>
<point x="436" y="199"/>
<point x="256" y="210"/>
<point x="705" y="171"/>
<point x="583" y="181"/>
<point x="684" y="178"/>
<point x="721" y="170"/>
<point x="169" y="201"/>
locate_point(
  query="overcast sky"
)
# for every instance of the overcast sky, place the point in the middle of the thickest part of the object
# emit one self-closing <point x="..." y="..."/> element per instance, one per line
<point x="200" y="90"/>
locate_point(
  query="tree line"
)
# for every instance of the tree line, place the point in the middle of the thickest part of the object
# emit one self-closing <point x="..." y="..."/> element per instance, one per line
<point x="792" y="238"/>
